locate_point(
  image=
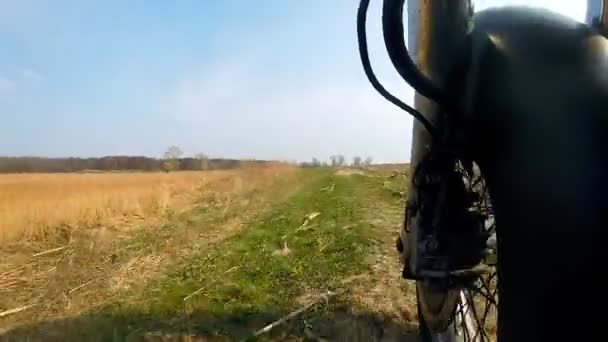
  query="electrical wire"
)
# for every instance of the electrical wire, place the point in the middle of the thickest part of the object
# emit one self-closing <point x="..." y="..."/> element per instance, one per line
<point x="363" y="52"/>
<point x="392" y="27"/>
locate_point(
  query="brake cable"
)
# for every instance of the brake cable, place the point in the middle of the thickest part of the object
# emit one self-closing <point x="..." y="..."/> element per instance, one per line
<point x="392" y="27"/>
<point x="363" y="52"/>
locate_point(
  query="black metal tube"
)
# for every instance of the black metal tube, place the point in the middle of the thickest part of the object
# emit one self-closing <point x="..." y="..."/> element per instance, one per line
<point x="441" y="29"/>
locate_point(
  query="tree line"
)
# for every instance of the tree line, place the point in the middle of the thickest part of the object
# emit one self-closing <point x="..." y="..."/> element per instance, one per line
<point x="172" y="161"/>
<point x="114" y="163"/>
<point x="338" y="160"/>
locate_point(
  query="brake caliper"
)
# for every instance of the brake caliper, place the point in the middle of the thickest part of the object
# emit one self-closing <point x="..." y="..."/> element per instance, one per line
<point x="445" y="235"/>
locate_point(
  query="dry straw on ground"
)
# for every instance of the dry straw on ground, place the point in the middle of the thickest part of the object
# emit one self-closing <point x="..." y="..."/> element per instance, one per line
<point x="42" y="278"/>
<point x="33" y="206"/>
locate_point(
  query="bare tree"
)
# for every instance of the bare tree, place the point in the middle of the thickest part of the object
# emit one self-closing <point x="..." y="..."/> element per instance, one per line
<point x="203" y="159"/>
<point x="337" y="160"/>
<point x="173" y="152"/>
<point x="171" y="157"/>
<point x="334" y="160"/>
<point x="315" y="162"/>
<point x="357" y="161"/>
<point x="368" y="161"/>
<point x="340" y="160"/>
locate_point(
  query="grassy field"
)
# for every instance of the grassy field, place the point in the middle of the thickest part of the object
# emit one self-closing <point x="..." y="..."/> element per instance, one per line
<point x="247" y="248"/>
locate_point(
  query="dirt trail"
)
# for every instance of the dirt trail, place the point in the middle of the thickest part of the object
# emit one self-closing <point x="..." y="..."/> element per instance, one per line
<point x="383" y="291"/>
<point x="378" y="304"/>
<point x="381" y="295"/>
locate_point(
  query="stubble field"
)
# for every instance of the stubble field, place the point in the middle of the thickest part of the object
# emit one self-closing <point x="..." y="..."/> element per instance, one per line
<point x="203" y="256"/>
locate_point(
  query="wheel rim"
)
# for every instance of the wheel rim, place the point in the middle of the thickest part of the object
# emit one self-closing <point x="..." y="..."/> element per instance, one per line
<point x="476" y="312"/>
<point x="474" y="307"/>
<point x="473" y="312"/>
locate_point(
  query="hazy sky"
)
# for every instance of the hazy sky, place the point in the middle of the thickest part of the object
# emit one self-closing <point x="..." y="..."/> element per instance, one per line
<point x="267" y="79"/>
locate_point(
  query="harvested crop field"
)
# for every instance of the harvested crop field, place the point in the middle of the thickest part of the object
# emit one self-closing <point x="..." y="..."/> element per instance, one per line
<point x="35" y="205"/>
<point x="231" y="253"/>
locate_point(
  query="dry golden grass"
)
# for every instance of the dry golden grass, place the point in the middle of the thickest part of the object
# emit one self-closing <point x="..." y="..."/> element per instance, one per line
<point x="65" y="271"/>
<point x="33" y="205"/>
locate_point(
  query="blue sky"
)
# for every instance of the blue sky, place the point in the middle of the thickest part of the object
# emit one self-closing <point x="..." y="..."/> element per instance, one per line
<point x="269" y="79"/>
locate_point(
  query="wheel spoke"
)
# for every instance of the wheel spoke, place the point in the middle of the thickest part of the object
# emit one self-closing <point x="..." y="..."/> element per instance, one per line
<point x="474" y="317"/>
<point x="482" y="296"/>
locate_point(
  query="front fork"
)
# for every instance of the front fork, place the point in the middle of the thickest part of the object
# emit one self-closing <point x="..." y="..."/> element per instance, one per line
<point x="443" y="239"/>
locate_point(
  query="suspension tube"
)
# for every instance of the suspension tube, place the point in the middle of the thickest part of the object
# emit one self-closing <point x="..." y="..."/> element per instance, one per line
<point x="597" y="11"/>
<point x="437" y="31"/>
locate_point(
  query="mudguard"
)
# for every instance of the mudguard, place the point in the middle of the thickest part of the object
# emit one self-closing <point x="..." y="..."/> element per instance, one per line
<point x="535" y="107"/>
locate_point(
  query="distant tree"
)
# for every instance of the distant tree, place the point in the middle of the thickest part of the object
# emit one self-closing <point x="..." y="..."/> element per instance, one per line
<point x="324" y="163"/>
<point x="337" y="160"/>
<point x="173" y="152"/>
<point x="171" y="158"/>
<point x="340" y="160"/>
<point x="334" y="160"/>
<point x="204" y="160"/>
<point x="357" y="161"/>
<point x="315" y="162"/>
<point x="368" y="161"/>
